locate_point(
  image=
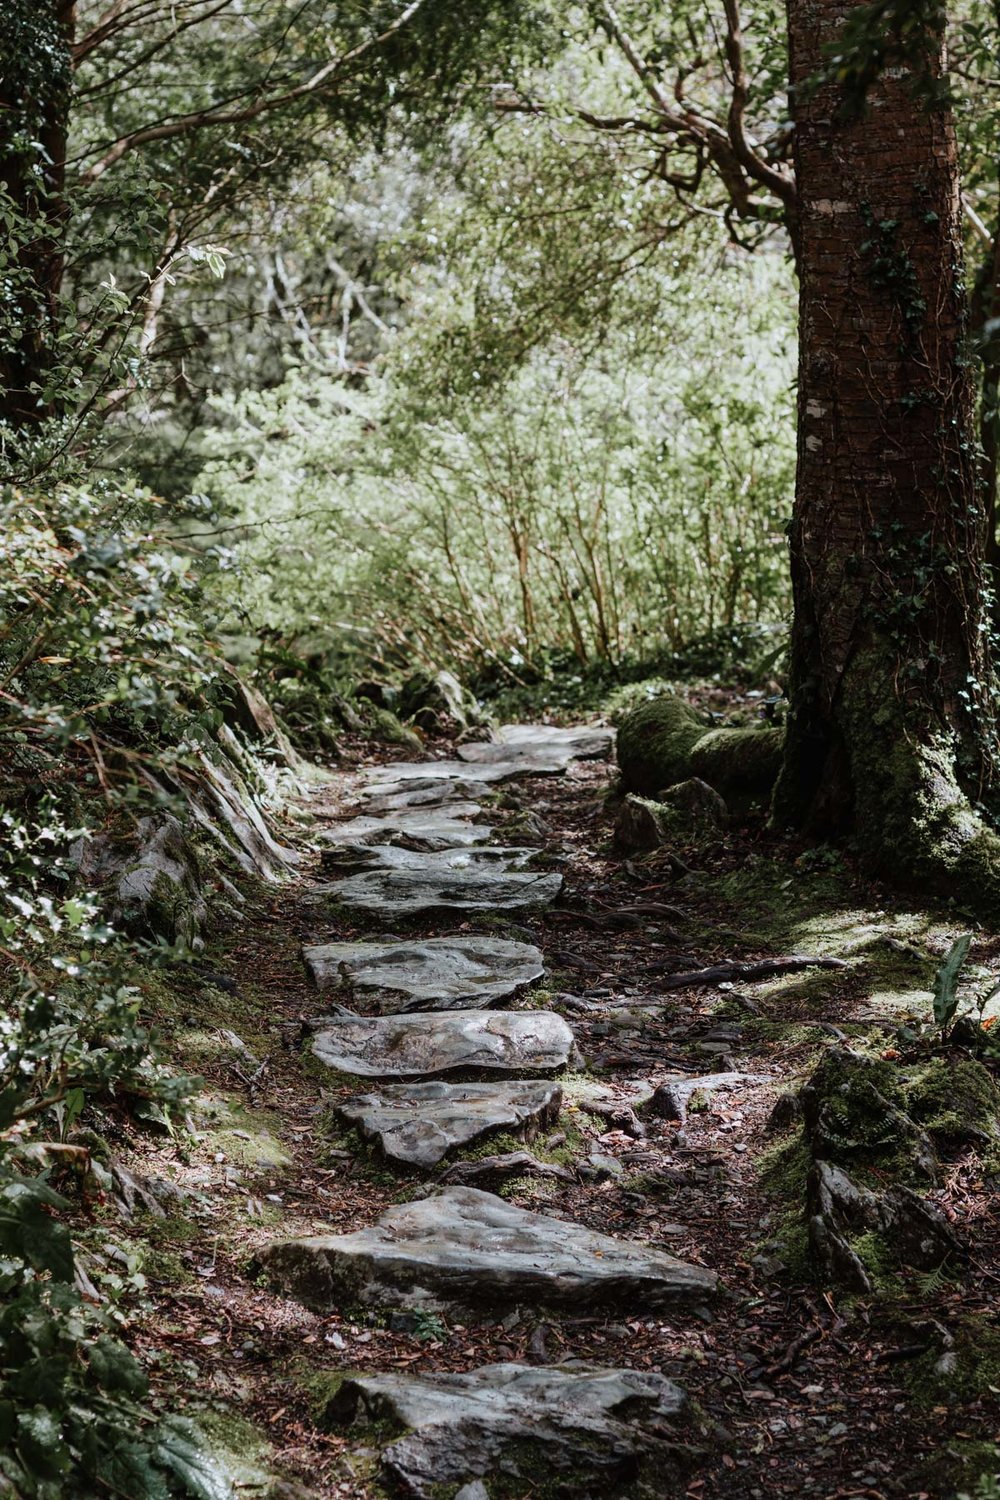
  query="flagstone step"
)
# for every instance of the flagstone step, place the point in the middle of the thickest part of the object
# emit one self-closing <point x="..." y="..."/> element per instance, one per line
<point x="594" y="1432"/>
<point x="356" y="858"/>
<point x="444" y="827"/>
<point x="423" y="771"/>
<point x="443" y="973"/>
<point x="470" y="1249"/>
<point x="434" y="1042"/>
<point x="406" y="891"/>
<point x="538" y="742"/>
<point x="419" y="1123"/>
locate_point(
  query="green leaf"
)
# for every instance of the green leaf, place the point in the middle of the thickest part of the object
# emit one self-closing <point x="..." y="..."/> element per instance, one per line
<point x="181" y="1451"/>
<point x="946" y="980"/>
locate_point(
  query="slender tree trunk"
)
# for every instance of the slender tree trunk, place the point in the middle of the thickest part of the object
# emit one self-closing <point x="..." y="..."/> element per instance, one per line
<point x="891" y="727"/>
<point x="986" y="314"/>
<point x="35" y="75"/>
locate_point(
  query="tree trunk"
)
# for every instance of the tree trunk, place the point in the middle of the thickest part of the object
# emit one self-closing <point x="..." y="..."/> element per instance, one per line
<point x="891" y="726"/>
<point x="35" y="77"/>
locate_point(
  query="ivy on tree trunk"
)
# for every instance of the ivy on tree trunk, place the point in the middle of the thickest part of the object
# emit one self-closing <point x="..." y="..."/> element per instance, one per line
<point x="892" y="722"/>
<point x="35" y="82"/>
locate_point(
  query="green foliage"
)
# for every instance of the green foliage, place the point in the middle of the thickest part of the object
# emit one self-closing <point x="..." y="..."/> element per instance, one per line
<point x="105" y="680"/>
<point x="946" y="981"/>
<point x="602" y="508"/>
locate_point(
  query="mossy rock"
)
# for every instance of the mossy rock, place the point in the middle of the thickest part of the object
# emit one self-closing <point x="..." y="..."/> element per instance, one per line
<point x="387" y="728"/>
<point x="665" y="742"/>
<point x="956" y="1101"/>
<point x="683" y="811"/>
<point x="854" y="1109"/>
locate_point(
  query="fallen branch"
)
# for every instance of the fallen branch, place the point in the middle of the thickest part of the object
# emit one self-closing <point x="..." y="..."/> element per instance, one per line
<point x="764" y="968"/>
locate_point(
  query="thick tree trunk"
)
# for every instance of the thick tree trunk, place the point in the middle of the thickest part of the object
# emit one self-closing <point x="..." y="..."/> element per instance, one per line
<point x="891" y="726"/>
<point x="35" y="74"/>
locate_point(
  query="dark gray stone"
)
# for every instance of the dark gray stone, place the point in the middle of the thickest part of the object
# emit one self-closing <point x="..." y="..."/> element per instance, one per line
<point x="419" y="1123"/>
<point x="442" y="1042"/>
<point x="468" y="1248"/>
<point x="446" y="973"/>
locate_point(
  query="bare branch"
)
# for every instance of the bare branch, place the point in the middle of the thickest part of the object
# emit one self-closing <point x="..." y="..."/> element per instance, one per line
<point x="206" y="118"/>
<point x="781" y="184"/>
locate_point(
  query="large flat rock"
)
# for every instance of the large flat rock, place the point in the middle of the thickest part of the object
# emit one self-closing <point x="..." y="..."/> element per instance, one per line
<point x="444" y="827"/>
<point x="538" y="742"/>
<point x="430" y="862"/>
<point x="419" y="1123"/>
<point x="420" y="1046"/>
<point x="435" y="885"/>
<point x="520" y="762"/>
<point x="445" y="973"/>
<point x="596" y="1431"/>
<point x="471" y="1249"/>
<point x="388" y="797"/>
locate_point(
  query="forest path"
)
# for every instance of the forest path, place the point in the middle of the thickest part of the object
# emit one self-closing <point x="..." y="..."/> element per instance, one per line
<point x="450" y="1073"/>
<point x="515" y="1141"/>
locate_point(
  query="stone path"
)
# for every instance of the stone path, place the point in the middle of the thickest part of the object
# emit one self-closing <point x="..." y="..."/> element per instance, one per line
<point x="417" y="846"/>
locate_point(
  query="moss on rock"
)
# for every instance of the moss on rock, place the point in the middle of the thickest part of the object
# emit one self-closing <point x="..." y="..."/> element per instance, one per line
<point x="665" y="742"/>
<point x="956" y="1101"/>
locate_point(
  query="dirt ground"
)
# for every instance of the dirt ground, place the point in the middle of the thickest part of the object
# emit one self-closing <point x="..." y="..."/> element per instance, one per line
<point x="813" y="1393"/>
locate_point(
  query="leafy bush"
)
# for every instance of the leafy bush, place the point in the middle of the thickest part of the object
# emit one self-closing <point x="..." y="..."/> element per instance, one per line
<point x="102" y="680"/>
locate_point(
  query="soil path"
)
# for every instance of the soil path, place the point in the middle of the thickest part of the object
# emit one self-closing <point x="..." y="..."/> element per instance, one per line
<point x="513" y="1240"/>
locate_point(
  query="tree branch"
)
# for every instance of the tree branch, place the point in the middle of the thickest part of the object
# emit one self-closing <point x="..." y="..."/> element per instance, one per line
<point x="206" y="118"/>
<point x="779" y="183"/>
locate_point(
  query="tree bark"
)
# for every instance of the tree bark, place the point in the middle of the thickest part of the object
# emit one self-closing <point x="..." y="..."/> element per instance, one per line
<point x="35" y="80"/>
<point x="891" y="728"/>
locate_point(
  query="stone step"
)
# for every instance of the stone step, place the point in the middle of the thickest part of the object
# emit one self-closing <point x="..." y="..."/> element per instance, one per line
<point x="473" y="1250"/>
<point x="420" y="1046"/>
<point x="390" y="797"/>
<point x="538" y="742"/>
<point x="445" y="827"/>
<point x="420" y="772"/>
<point x="417" y="1124"/>
<point x="573" y="1429"/>
<point x="406" y="891"/>
<point x="444" y="973"/>
<point x="432" y="862"/>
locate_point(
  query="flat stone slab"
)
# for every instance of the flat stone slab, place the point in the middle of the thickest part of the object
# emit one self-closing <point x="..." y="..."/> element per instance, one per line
<point x="423" y="773"/>
<point x="445" y="827"/>
<point x="400" y="796"/>
<point x="440" y="1042"/>
<point x="428" y="886"/>
<point x="601" y="1430"/>
<point x="419" y="1123"/>
<point x="469" y="1248"/>
<point x="445" y="973"/>
<point x="539" y="742"/>
<point x="430" y="861"/>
